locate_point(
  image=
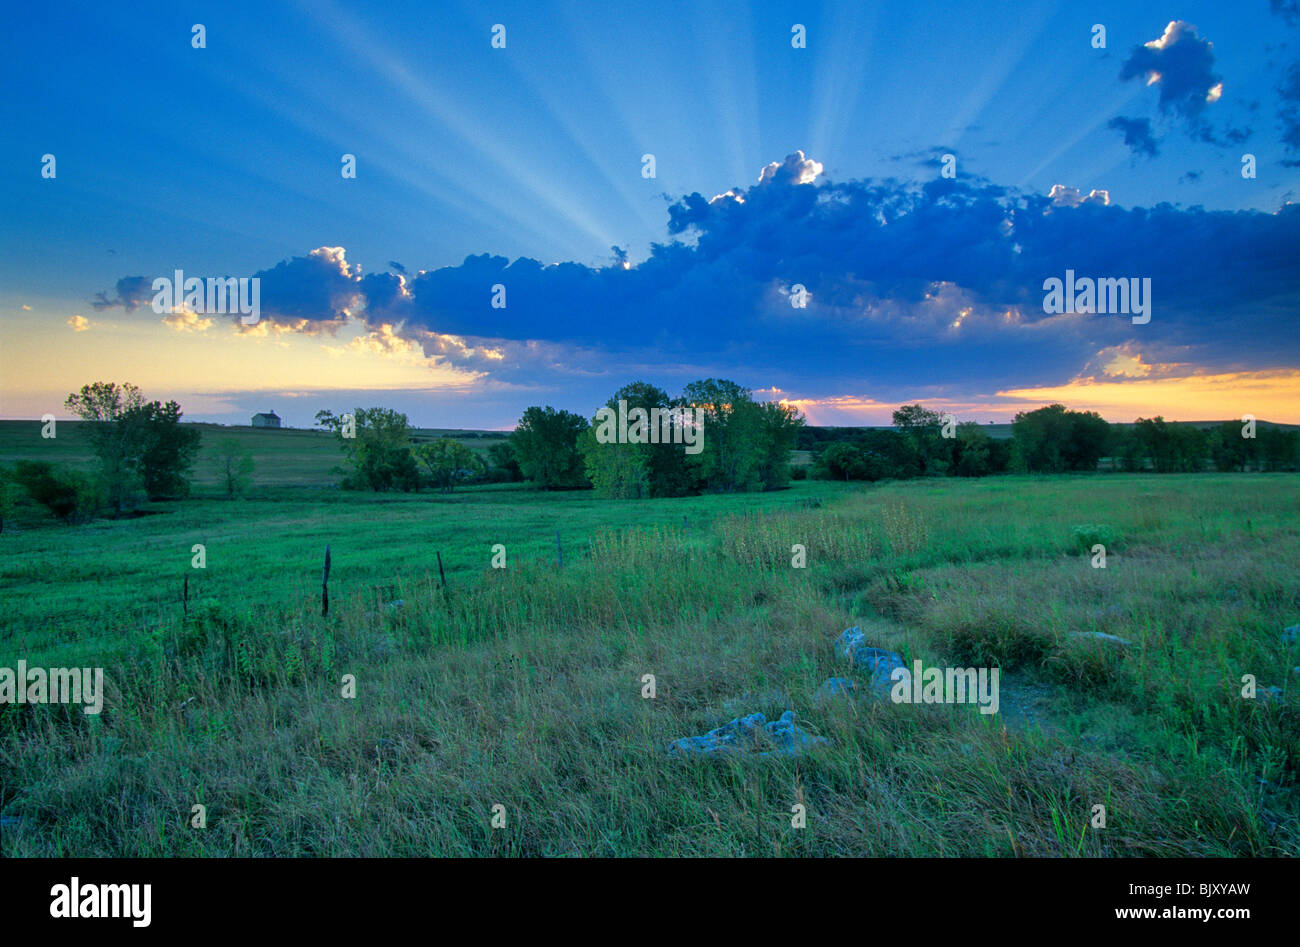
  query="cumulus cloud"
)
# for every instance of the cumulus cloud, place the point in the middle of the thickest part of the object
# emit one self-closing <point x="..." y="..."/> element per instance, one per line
<point x="905" y="284"/>
<point x="1062" y="196"/>
<point x="796" y="169"/>
<point x="79" y="323"/>
<point x="183" y="320"/>
<point x="315" y="293"/>
<point x="1181" y="64"/>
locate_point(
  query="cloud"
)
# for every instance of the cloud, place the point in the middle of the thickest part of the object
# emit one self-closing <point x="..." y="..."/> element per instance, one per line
<point x="183" y="320"/>
<point x="1137" y="134"/>
<point x="315" y="293"/>
<point x="796" y="169"/>
<point x="934" y="284"/>
<point x="79" y="323"/>
<point x="132" y="292"/>
<point x="1181" y="64"/>
<point x="1062" y="196"/>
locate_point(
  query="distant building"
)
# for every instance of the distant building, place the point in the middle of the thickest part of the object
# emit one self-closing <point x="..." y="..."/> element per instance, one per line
<point x="266" y="420"/>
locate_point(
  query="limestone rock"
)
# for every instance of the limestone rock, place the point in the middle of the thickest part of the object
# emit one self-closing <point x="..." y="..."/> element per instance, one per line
<point x="1102" y="636"/>
<point x="878" y="662"/>
<point x="751" y="734"/>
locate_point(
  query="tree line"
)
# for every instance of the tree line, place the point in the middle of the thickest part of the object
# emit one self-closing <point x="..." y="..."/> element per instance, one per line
<point x="712" y="438"/>
<point x="1052" y="439"/>
<point x="735" y="444"/>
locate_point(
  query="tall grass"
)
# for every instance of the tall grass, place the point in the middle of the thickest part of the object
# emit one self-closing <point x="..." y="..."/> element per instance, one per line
<point x="523" y="686"/>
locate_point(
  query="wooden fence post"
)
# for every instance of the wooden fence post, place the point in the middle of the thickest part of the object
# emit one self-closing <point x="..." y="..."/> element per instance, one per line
<point x="443" y="576"/>
<point x="325" y="586"/>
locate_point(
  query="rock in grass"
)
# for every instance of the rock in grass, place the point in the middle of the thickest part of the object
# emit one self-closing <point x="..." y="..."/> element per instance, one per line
<point x="1291" y="635"/>
<point x="1102" y="636"/>
<point x="878" y="662"/>
<point x="838" y="687"/>
<point x="1268" y="694"/>
<point x="751" y="734"/>
<point x="850" y="641"/>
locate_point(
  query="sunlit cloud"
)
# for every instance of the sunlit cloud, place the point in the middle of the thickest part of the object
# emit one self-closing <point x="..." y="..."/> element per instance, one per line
<point x="186" y="320"/>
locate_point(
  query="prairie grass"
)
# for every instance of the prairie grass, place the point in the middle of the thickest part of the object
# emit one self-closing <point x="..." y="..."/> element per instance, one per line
<point x="523" y="686"/>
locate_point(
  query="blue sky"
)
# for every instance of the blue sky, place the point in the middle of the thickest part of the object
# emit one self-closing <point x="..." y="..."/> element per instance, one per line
<point x="226" y="161"/>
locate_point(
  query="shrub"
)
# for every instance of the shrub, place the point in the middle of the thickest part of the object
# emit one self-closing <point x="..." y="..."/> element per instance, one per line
<point x="1085" y="537"/>
<point x="68" y="494"/>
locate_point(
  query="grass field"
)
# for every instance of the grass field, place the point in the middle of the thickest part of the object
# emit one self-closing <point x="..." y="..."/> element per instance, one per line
<point x="522" y="686"/>
<point x="286" y="457"/>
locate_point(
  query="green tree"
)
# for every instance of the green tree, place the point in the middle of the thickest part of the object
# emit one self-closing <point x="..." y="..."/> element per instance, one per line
<point x="377" y="443"/>
<point x="841" y="461"/>
<point x="1041" y="439"/>
<point x="504" y="464"/>
<point x="104" y="405"/>
<point x="731" y="454"/>
<point x="234" y="466"/>
<point x="923" y="429"/>
<point x="1279" y="449"/>
<point x="1126" y="449"/>
<point x="890" y="455"/>
<point x="1229" y="449"/>
<point x="1157" y="442"/>
<point x="163" y="451"/>
<point x="616" y="471"/>
<point x="545" y="445"/>
<point x="778" y="430"/>
<point x="447" y="460"/>
<point x="136" y="442"/>
<point x="972" y="450"/>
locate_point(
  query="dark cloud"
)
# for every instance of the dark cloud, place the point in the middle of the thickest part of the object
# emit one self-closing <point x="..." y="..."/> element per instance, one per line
<point x="311" y="293"/>
<point x="905" y="283"/>
<point x="394" y="265"/>
<point x="1181" y="65"/>
<point x="1137" y="134"/>
<point x="131" y="292"/>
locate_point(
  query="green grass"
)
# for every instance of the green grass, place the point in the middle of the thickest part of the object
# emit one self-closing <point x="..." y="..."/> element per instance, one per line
<point x="523" y="686"/>
<point x="285" y="457"/>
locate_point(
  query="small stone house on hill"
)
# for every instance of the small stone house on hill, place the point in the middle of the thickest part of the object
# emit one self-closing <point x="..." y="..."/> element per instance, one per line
<point x="270" y="419"/>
